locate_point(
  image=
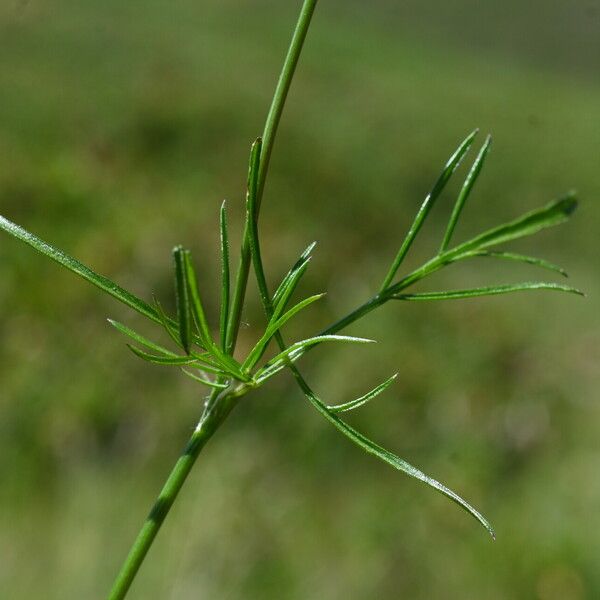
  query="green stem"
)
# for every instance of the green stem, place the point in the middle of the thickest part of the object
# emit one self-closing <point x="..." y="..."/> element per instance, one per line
<point x="219" y="404"/>
<point x="268" y="140"/>
<point x="217" y="410"/>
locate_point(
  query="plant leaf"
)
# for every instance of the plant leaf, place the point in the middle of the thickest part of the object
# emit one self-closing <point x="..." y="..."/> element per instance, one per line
<point x="212" y="384"/>
<point x="227" y="362"/>
<point x="426" y="207"/>
<point x="73" y="265"/>
<point x="346" y="406"/>
<point x="141" y="339"/>
<point x="465" y="191"/>
<point x="162" y="360"/>
<point x="487" y="291"/>
<point x="184" y="315"/>
<point x="225" y="276"/>
<point x="385" y="455"/>
<point x="297" y="349"/>
<point x="531" y="260"/>
<point x="272" y="328"/>
<point x="290" y="281"/>
<point x="550" y="215"/>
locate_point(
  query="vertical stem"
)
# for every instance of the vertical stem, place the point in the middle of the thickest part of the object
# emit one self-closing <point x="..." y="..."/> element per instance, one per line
<point x="209" y="423"/>
<point x="219" y="404"/>
<point x="270" y="131"/>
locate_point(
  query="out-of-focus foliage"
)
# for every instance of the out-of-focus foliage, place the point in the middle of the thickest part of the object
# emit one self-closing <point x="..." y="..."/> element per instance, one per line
<point x="123" y="126"/>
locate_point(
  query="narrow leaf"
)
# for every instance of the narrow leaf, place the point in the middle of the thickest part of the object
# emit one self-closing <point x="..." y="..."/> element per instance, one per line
<point x="208" y="382"/>
<point x="141" y="339"/>
<point x="530" y="260"/>
<point x="488" y="291"/>
<point x="167" y="323"/>
<point x="225" y="276"/>
<point x="426" y="207"/>
<point x="162" y="360"/>
<point x="73" y="265"/>
<point x="550" y="215"/>
<point x="346" y="406"/>
<point x="297" y="349"/>
<point x="465" y="192"/>
<point x="291" y="279"/>
<point x="385" y="455"/>
<point x="272" y="328"/>
<point x="184" y="315"/>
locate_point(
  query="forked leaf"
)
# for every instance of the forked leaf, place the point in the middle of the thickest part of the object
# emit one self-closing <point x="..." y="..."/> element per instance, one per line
<point x="385" y="455"/>
<point x="167" y="323"/>
<point x="426" y="207"/>
<point x="297" y="349"/>
<point x="346" y="406"/>
<point x="530" y="260"/>
<point x="290" y="281"/>
<point x="134" y="335"/>
<point x="73" y="265"/>
<point x="272" y="328"/>
<point x="492" y="290"/>
<point x="466" y="191"/>
<point x="162" y="360"/>
<point x="227" y="362"/>
<point x="550" y="215"/>
<point x="184" y="315"/>
<point x="225" y="276"/>
<point x="208" y="382"/>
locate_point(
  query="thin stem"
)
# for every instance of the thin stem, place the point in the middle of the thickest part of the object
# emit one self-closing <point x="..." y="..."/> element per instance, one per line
<point x="213" y="416"/>
<point x="270" y="131"/>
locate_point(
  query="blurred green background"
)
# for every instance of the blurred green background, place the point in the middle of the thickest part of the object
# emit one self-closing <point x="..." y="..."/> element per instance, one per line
<point x="122" y="127"/>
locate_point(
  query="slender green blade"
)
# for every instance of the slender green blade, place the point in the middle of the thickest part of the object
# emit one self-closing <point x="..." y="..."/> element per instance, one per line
<point x="297" y="349"/>
<point x="208" y="382"/>
<point x="426" y="207"/>
<point x="346" y="406"/>
<point x="385" y="455"/>
<point x="290" y="281"/>
<point x="167" y="323"/>
<point x="225" y="276"/>
<point x="134" y="335"/>
<point x="492" y="290"/>
<point x="73" y="265"/>
<point x="530" y="260"/>
<point x="550" y="215"/>
<point x="466" y="191"/>
<point x="227" y="362"/>
<point x="162" y="360"/>
<point x="272" y="328"/>
<point x="184" y="315"/>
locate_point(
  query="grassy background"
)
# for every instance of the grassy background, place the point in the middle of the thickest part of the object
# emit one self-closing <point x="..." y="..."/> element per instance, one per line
<point x="123" y="125"/>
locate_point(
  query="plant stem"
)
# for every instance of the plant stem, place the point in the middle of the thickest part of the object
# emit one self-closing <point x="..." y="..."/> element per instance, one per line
<point x="219" y="404"/>
<point x="269" y="133"/>
<point x="218" y="407"/>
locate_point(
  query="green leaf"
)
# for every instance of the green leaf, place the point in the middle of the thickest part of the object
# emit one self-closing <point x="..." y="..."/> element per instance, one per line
<point x="73" y="265"/>
<point x="531" y="260"/>
<point x="426" y="207"/>
<point x="492" y="290"/>
<point x="346" y="406"/>
<point x="225" y="276"/>
<point x="184" y="315"/>
<point x="296" y="350"/>
<point x="272" y="328"/>
<point x="141" y="339"/>
<point x="227" y="362"/>
<point x="167" y="323"/>
<point x="465" y="191"/>
<point x="290" y="281"/>
<point x="385" y="455"/>
<point x="162" y="360"/>
<point x="212" y="384"/>
<point x="550" y="215"/>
